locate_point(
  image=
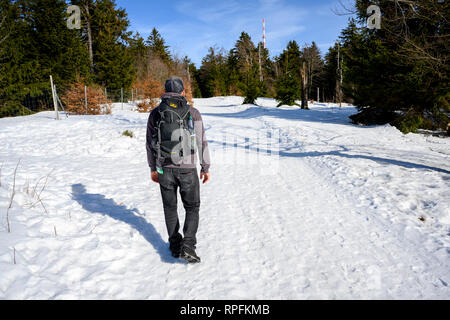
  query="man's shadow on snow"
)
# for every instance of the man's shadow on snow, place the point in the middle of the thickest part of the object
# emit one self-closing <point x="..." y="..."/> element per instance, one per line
<point x="97" y="203"/>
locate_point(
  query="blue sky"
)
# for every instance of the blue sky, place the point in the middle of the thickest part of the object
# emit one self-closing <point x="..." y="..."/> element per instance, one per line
<point x="190" y="27"/>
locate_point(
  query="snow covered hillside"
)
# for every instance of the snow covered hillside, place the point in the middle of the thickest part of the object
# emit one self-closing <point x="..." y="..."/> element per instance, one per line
<point x="302" y="205"/>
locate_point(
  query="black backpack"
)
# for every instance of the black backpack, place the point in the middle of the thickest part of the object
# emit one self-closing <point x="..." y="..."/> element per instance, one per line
<point x="175" y="136"/>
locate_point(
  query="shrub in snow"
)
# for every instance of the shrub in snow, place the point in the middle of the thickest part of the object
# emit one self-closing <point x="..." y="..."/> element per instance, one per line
<point x="188" y="88"/>
<point x="128" y="133"/>
<point x="12" y="109"/>
<point x="74" y="99"/>
<point x="148" y="88"/>
<point x="147" y="105"/>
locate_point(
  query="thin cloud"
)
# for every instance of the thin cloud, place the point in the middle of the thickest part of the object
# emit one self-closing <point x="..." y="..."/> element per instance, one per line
<point x="209" y="13"/>
<point x="197" y="25"/>
<point x="285" y="32"/>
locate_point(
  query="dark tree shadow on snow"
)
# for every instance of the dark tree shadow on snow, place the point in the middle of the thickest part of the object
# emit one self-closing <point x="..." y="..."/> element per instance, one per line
<point x="286" y="152"/>
<point x="97" y="203"/>
<point x="329" y="115"/>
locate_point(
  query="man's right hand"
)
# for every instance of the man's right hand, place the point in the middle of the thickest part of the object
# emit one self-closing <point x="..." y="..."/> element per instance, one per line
<point x="155" y="176"/>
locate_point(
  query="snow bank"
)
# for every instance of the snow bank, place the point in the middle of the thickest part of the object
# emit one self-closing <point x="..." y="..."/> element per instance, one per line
<point x="324" y="209"/>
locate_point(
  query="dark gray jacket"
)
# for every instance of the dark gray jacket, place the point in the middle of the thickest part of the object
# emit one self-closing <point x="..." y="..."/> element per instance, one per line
<point x="202" y="144"/>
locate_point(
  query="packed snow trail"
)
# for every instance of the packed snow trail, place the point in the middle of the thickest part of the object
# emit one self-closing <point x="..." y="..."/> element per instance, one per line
<point x="334" y="211"/>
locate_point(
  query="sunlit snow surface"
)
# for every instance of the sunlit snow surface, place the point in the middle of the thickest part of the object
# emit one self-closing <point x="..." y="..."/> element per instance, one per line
<point x="301" y="205"/>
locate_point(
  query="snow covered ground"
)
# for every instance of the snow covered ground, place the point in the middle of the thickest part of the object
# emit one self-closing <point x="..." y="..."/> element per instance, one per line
<point x="302" y="205"/>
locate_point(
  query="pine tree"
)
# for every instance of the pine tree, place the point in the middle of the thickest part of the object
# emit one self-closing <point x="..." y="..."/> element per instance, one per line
<point x="252" y="85"/>
<point x="87" y="8"/>
<point x="58" y="49"/>
<point x="247" y="58"/>
<point x="39" y="44"/>
<point x="211" y="76"/>
<point x="113" y="62"/>
<point x="5" y="21"/>
<point x="139" y="51"/>
<point x="402" y="70"/>
<point x="233" y="76"/>
<point x="14" y="39"/>
<point x="191" y="72"/>
<point x="314" y="68"/>
<point x="288" y="90"/>
<point x="329" y="77"/>
<point x="288" y="86"/>
<point x="268" y="72"/>
<point x="158" y="47"/>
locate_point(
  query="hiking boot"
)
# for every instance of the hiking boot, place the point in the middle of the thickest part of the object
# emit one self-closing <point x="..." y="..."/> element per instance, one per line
<point x="176" y="253"/>
<point x="189" y="255"/>
<point x="175" y="250"/>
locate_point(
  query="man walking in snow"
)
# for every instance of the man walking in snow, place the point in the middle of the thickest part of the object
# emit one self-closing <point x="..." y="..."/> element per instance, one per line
<point x="175" y="136"/>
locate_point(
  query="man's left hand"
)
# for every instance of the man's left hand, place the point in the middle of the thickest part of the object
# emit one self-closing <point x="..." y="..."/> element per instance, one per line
<point x="205" y="177"/>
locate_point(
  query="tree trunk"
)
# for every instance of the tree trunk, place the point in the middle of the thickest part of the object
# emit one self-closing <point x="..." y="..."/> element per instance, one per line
<point x="89" y="36"/>
<point x="304" y="88"/>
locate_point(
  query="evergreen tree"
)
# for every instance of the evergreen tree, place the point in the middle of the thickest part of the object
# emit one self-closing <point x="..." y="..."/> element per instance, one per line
<point x="288" y="90"/>
<point x="400" y="73"/>
<point x="87" y="8"/>
<point x="158" y="47"/>
<point x="247" y="59"/>
<point x="113" y="61"/>
<point x="268" y="72"/>
<point x="288" y="86"/>
<point x="191" y="72"/>
<point x="139" y="51"/>
<point x="373" y="72"/>
<point x="314" y="68"/>
<point x="14" y="67"/>
<point x="58" y="49"/>
<point x="233" y="76"/>
<point x="38" y="45"/>
<point x="252" y="86"/>
<point x="212" y="74"/>
<point x="237" y="72"/>
<point x="329" y="76"/>
<point x="5" y="23"/>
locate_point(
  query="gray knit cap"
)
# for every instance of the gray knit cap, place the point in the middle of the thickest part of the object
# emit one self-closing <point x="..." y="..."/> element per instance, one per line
<point x="174" y="84"/>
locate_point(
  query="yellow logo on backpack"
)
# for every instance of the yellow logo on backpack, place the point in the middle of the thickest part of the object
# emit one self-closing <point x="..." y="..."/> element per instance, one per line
<point x="173" y="105"/>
